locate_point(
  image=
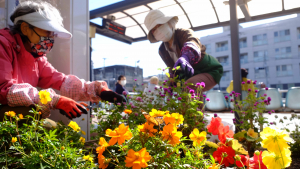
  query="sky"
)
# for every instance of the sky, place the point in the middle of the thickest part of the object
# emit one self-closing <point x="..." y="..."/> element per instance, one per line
<point x="119" y="53"/>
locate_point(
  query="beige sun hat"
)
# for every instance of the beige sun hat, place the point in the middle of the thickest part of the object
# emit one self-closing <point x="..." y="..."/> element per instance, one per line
<point x="155" y="17"/>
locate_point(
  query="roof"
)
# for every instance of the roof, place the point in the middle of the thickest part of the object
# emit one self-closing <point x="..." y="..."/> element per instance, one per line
<point x="194" y="14"/>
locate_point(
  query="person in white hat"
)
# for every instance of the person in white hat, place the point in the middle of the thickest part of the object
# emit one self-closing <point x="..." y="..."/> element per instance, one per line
<point x="24" y="66"/>
<point x="180" y="47"/>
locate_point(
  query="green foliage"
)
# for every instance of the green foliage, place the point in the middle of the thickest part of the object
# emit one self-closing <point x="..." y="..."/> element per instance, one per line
<point x="38" y="146"/>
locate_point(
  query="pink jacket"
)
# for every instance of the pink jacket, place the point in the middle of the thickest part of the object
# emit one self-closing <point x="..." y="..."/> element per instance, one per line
<point x="20" y="73"/>
<point x="19" y="66"/>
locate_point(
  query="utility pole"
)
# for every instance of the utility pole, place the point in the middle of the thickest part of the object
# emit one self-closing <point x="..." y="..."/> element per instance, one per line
<point x="265" y="67"/>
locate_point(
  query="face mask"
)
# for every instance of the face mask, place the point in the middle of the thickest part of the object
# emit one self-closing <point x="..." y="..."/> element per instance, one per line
<point x="123" y="82"/>
<point x="43" y="47"/>
<point x="163" y="33"/>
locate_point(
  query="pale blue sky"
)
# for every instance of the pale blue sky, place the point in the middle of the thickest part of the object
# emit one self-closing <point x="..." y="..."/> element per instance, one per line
<point x="119" y="53"/>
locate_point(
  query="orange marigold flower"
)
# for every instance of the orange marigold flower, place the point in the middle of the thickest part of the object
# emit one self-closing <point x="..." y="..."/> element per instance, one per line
<point x="103" y="162"/>
<point x="119" y="135"/>
<point x="103" y="144"/>
<point x="137" y="160"/>
<point x="214" y="166"/>
<point x="10" y="113"/>
<point x="170" y="133"/>
<point x="21" y="116"/>
<point x="40" y="113"/>
<point x="127" y="111"/>
<point x="147" y="128"/>
<point x="169" y="119"/>
<point x="214" y="125"/>
<point x="174" y="118"/>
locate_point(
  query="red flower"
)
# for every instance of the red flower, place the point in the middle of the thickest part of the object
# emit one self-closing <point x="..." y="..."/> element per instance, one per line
<point x="254" y="163"/>
<point x="214" y="125"/>
<point x="227" y="153"/>
<point x="224" y="133"/>
<point x="243" y="162"/>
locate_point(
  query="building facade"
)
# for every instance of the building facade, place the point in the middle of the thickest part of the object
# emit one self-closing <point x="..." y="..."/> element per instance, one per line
<point x="110" y="74"/>
<point x="270" y="52"/>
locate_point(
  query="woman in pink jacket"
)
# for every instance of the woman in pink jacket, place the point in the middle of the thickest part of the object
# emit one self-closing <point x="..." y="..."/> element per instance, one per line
<point x="24" y="65"/>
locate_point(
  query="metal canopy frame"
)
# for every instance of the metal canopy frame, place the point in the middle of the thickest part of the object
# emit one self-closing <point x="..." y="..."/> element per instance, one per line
<point x="127" y="4"/>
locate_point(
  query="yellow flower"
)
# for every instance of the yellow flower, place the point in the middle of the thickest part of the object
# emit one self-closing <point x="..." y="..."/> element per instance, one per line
<point x="276" y="161"/>
<point x="156" y="113"/>
<point x="103" y="144"/>
<point x="82" y="140"/>
<point x="197" y="137"/>
<point x="14" y="139"/>
<point x="178" y="118"/>
<point x="44" y="96"/>
<point x="170" y="133"/>
<point x="147" y="128"/>
<point x="137" y="160"/>
<point x="252" y="133"/>
<point x="62" y="148"/>
<point x="119" y="135"/>
<point x="21" y="116"/>
<point x="10" y="113"/>
<point x="74" y="126"/>
<point x="127" y="111"/>
<point x="88" y="157"/>
<point x="82" y="132"/>
<point x="275" y="141"/>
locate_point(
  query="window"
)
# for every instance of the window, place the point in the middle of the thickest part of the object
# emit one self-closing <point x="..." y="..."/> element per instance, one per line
<point x="244" y="58"/>
<point x="283" y="35"/>
<point x="284" y="70"/>
<point x="129" y="85"/>
<point x="243" y="43"/>
<point x="261" y="72"/>
<point x="223" y="60"/>
<point x="221" y="46"/>
<point x="298" y="30"/>
<point x="283" y="53"/>
<point x="260" y="39"/>
<point x="299" y="50"/>
<point x="226" y="76"/>
<point x="260" y="56"/>
<point x="208" y="48"/>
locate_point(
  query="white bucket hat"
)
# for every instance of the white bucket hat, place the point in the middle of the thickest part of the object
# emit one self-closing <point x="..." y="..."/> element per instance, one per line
<point x="48" y="23"/>
<point x="155" y="17"/>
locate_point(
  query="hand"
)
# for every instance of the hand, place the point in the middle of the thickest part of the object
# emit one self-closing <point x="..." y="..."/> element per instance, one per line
<point x="186" y="69"/>
<point x="70" y="108"/>
<point x="106" y="94"/>
<point x="112" y="97"/>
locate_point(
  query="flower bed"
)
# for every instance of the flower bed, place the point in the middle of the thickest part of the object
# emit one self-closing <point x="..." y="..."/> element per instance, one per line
<point x="163" y="129"/>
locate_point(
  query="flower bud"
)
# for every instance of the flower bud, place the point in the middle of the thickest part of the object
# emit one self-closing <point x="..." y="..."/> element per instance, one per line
<point x="237" y="158"/>
<point x="257" y="153"/>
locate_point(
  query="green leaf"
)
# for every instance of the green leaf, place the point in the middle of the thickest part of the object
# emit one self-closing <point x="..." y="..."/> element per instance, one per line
<point x="177" y="67"/>
<point x="239" y="135"/>
<point x="200" y="112"/>
<point x="159" y="69"/>
<point x="212" y="159"/>
<point x="250" y="138"/>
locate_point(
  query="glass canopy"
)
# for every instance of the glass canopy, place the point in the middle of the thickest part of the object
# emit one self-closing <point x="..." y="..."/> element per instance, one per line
<point x="193" y="14"/>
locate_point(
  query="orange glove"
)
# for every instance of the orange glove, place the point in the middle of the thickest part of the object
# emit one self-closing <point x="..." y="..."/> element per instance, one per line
<point x="70" y="108"/>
